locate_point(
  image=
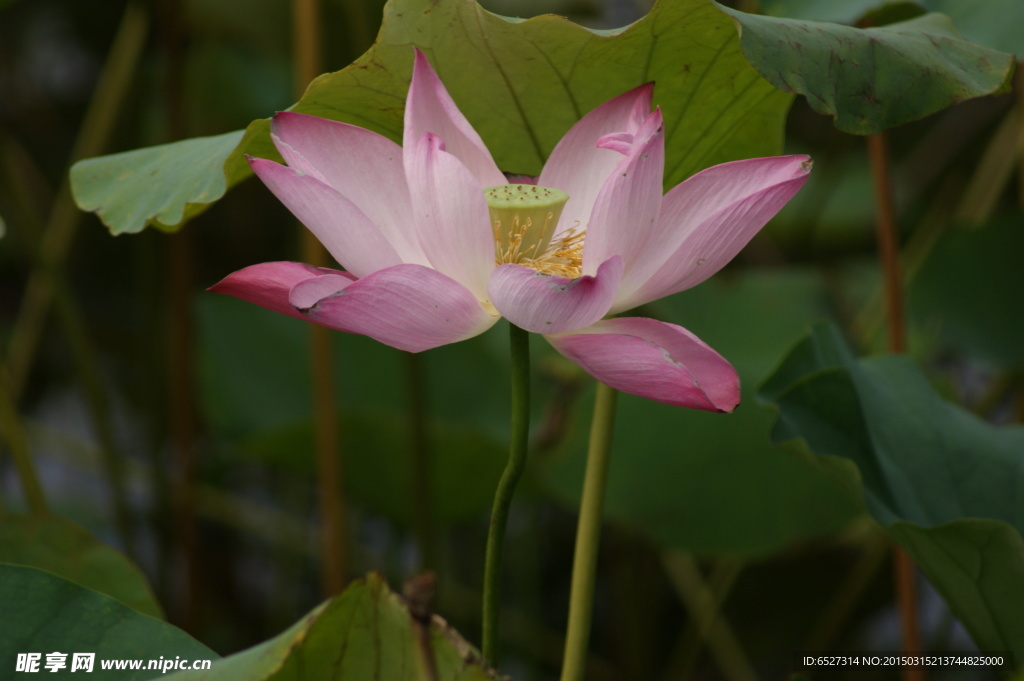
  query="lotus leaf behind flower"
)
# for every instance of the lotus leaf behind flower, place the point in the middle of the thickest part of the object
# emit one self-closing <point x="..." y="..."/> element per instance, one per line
<point x="429" y="258"/>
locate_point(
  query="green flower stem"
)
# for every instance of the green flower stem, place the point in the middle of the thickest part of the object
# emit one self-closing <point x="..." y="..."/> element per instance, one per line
<point x="520" y="426"/>
<point x="588" y="535"/>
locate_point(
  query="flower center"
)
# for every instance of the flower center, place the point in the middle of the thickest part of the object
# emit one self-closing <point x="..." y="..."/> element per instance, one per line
<point x="524" y="218"/>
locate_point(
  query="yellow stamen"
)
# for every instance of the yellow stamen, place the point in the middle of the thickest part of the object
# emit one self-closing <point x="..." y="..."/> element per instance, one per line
<point x="524" y="219"/>
<point x="563" y="256"/>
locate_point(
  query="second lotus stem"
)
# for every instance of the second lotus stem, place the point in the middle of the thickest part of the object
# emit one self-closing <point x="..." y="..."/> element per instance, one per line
<point x="588" y="535"/>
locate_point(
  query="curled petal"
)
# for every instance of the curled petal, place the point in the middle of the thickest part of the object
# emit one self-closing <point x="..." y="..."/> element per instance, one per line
<point x="706" y="220"/>
<point x="545" y="303"/>
<point x="429" y="108"/>
<point x="621" y="142"/>
<point x="268" y="284"/>
<point x="652" y="359"/>
<point x="626" y="210"/>
<point x="364" y="167"/>
<point x="309" y="292"/>
<point x="340" y="226"/>
<point x="409" y="307"/>
<point x="578" y="167"/>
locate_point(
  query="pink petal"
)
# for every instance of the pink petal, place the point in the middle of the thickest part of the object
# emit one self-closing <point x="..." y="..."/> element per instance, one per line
<point x="429" y="108"/>
<point x="409" y="307"/>
<point x="364" y="167"/>
<point x="706" y="220"/>
<point x="544" y="303"/>
<point x="578" y="167"/>
<point x="626" y="210"/>
<point x="340" y="226"/>
<point x="450" y="214"/>
<point x="652" y="359"/>
<point x="268" y="284"/>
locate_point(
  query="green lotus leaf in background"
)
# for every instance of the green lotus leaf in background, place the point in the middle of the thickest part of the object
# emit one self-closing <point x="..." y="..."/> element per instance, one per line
<point x="846" y="12"/>
<point x="943" y="483"/>
<point x="44" y="613"/>
<point x="967" y="294"/>
<point x="872" y="79"/>
<point x="993" y="23"/>
<point x="160" y="186"/>
<point x="522" y="84"/>
<point x="62" y="547"/>
<point x="367" y="632"/>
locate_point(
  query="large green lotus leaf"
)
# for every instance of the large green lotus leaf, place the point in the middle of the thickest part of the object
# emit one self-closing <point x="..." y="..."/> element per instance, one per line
<point x="713" y="483"/>
<point x="62" y="547"/>
<point x="43" y="613"/>
<point x="968" y="292"/>
<point x="521" y="83"/>
<point x="945" y="484"/>
<point x="872" y="79"/>
<point x="365" y="633"/>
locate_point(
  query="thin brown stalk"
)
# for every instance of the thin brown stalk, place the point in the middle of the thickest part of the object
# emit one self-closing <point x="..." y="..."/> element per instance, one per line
<point x="180" y="266"/>
<point x="307" y="48"/>
<point x="307" y="51"/>
<point x="888" y="242"/>
<point x="17" y="168"/>
<point x="51" y="243"/>
<point x="93" y="137"/>
<point x="904" y="572"/>
<point x="1018" y="87"/>
<point x="972" y="205"/>
<point x="183" y="420"/>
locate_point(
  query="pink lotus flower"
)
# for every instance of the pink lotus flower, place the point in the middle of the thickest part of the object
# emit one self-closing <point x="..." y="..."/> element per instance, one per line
<point x="430" y="259"/>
